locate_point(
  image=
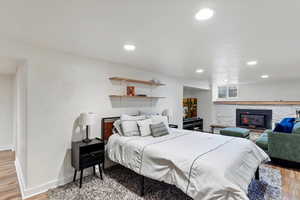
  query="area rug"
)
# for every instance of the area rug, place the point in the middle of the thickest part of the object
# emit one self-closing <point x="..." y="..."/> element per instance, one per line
<point x="122" y="184"/>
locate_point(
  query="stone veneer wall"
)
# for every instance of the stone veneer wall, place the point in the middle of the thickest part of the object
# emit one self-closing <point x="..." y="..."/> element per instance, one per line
<point x="226" y="114"/>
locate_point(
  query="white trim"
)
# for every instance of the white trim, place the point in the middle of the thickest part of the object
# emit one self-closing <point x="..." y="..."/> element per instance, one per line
<point x="20" y="177"/>
<point x="30" y="192"/>
<point x="5" y="148"/>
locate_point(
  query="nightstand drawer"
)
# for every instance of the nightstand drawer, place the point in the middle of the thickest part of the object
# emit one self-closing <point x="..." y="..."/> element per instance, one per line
<point x="90" y="159"/>
<point x="91" y="148"/>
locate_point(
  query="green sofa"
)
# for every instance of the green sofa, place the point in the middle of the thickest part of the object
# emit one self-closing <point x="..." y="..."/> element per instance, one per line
<point x="284" y="146"/>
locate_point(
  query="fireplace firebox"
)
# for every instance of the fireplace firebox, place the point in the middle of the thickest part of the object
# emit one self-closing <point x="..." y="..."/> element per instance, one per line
<point x="253" y="118"/>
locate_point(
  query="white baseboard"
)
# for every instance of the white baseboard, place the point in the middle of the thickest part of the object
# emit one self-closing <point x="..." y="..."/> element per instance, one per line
<point x="30" y="192"/>
<point x="5" y="148"/>
<point x="20" y="177"/>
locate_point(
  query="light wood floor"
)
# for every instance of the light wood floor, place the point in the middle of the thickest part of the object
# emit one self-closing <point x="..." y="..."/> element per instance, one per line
<point x="9" y="186"/>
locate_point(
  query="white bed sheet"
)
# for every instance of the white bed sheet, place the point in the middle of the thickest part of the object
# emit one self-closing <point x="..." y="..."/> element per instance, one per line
<point x="204" y="166"/>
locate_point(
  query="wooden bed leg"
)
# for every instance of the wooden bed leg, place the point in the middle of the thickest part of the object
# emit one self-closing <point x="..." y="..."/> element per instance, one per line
<point x="257" y="174"/>
<point x="142" y="186"/>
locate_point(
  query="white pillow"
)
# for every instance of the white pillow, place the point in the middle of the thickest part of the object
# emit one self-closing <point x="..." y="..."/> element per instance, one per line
<point x="158" y="119"/>
<point x="144" y="127"/>
<point x="117" y="126"/>
<point x="129" y="125"/>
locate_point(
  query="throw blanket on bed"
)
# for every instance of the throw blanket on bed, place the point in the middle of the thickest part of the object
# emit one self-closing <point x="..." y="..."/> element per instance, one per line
<point x="204" y="166"/>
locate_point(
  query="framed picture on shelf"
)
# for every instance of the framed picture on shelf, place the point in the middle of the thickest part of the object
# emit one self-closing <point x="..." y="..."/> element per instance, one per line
<point x="130" y="91"/>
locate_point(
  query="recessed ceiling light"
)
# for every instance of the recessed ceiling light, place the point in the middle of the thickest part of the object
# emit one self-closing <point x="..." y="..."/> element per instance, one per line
<point x="225" y="80"/>
<point x="199" y="71"/>
<point x="204" y="14"/>
<point x="265" y="76"/>
<point x="129" y="47"/>
<point x="252" y="63"/>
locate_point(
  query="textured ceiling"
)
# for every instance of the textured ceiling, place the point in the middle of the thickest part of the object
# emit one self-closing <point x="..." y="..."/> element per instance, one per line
<point x="167" y="37"/>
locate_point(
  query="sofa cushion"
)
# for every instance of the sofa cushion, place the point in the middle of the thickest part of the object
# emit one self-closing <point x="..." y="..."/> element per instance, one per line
<point x="235" y="132"/>
<point x="285" y="126"/>
<point x="262" y="141"/>
<point x="267" y="131"/>
<point x="296" y="128"/>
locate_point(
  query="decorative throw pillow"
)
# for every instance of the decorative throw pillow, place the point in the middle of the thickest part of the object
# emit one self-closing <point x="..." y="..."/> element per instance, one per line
<point x="158" y="130"/>
<point x="158" y="119"/>
<point x="296" y="128"/>
<point x="285" y="126"/>
<point x="117" y="127"/>
<point x="144" y="127"/>
<point x="129" y="125"/>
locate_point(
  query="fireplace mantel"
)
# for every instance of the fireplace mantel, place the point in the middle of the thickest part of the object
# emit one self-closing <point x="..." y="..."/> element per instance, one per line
<point x="258" y="102"/>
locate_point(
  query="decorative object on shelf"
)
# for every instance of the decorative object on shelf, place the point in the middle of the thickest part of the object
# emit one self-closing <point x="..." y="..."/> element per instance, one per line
<point x="87" y="120"/>
<point x="156" y="81"/>
<point x="130" y="91"/>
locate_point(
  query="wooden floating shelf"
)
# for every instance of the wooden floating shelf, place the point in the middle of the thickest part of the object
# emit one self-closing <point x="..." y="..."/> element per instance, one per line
<point x="141" y="97"/>
<point x="258" y="102"/>
<point x="135" y="81"/>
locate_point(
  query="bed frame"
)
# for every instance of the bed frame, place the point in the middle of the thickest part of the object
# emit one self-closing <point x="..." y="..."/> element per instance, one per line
<point x="107" y="127"/>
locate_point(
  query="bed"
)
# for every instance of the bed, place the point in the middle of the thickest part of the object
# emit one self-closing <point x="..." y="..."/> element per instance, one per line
<point x="202" y="165"/>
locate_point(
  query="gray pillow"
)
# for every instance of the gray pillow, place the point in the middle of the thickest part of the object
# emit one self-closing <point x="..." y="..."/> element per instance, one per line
<point x="159" y="129"/>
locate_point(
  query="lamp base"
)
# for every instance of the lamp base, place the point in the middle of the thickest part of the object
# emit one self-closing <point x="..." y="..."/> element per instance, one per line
<point x="86" y="140"/>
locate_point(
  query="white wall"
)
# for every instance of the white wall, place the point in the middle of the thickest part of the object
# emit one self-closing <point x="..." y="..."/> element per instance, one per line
<point x="268" y="90"/>
<point x="6" y="111"/>
<point x="61" y="86"/>
<point x="205" y="104"/>
<point x="20" y="123"/>
<point x="204" y="85"/>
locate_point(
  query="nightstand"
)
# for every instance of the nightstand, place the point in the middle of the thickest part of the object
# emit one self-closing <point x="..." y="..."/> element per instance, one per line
<point x="85" y="155"/>
<point x="173" y="126"/>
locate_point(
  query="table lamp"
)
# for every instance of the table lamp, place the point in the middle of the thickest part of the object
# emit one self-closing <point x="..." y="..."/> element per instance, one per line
<point x="87" y="119"/>
<point x="166" y="113"/>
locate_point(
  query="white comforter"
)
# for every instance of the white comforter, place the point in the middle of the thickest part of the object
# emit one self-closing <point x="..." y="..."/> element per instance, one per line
<point x="204" y="166"/>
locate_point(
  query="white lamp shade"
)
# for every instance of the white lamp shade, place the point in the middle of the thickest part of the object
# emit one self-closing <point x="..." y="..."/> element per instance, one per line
<point x="87" y="119"/>
<point x="165" y="112"/>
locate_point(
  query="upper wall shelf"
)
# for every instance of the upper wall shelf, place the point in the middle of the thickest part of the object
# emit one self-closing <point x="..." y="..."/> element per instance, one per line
<point x="258" y="102"/>
<point x="135" y="81"/>
<point x="141" y="97"/>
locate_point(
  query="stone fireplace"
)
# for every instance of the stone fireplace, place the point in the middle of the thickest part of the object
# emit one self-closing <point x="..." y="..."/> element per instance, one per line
<point x="254" y="118"/>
